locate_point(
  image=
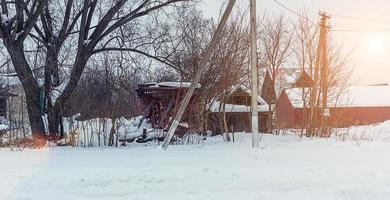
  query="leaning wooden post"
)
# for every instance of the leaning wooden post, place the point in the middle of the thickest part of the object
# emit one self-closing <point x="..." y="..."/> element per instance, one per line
<point x="216" y="37"/>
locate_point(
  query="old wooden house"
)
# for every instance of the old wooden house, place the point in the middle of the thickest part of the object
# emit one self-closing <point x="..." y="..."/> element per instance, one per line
<point x="160" y="102"/>
<point x="238" y="110"/>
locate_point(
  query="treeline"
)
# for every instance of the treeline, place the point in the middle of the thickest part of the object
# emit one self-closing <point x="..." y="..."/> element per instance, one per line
<point x="87" y="56"/>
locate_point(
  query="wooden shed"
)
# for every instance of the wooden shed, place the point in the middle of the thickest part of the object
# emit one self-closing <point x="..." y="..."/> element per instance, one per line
<point x="238" y="111"/>
<point x="160" y="102"/>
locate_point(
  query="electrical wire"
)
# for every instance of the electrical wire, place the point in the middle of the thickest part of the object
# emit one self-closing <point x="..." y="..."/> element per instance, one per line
<point x="294" y="12"/>
<point x="361" y="19"/>
<point x="358" y="28"/>
<point x="361" y="30"/>
<point x="340" y="16"/>
<point x="350" y="29"/>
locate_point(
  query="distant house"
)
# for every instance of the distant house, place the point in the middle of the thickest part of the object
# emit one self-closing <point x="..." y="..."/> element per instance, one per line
<point x="238" y="111"/>
<point x="160" y="103"/>
<point x="286" y="78"/>
<point x="360" y="105"/>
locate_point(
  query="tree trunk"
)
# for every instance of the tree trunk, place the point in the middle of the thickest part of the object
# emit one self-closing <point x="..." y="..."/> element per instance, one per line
<point x="31" y="89"/>
<point x="112" y="133"/>
<point x="34" y="113"/>
<point x="55" y="108"/>
<point x="54" y="120"/>
<point x="52" y="80"/>
<point x="225" y="125"/>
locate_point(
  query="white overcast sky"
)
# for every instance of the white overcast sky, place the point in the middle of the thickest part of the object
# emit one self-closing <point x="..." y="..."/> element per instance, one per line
<point x="369" y="50"/>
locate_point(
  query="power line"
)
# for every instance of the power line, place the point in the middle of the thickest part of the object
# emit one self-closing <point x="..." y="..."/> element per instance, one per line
<point x="362" y="19"/>
<point x="292" y="11"/>
<point x="340" y="16"/>
<point x="356" y="28"/>
<point x="361" y="30"/>
<point x="352" y="29"/>
<point x="285" y="7"/>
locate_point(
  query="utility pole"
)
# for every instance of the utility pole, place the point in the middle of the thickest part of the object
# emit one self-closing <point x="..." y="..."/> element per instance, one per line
<point x="254" y="78"/>
<point x="322" y="56"/>
<point x="194" y="84"/>
<point x="320" y="88"/>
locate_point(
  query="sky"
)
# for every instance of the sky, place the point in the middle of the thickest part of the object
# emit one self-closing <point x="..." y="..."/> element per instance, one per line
<point x="361" y="27"/>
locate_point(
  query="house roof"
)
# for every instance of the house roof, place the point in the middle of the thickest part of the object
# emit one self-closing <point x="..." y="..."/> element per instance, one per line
<point x="234" y="108"/>
<point x="355" y="96"/>
<point x="304" y="80"/>
<point x="170" y="84"/>
<point x="295" y="96"/>
<point x="268" y="89"/>
<point x="368" y="96"/>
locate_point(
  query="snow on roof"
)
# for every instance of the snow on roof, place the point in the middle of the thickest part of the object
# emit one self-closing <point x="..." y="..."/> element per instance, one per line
<point x="249" y="92"/>
<point x="177" y="84"/>
<point x="233" y="108"/>
<point x="171" y="84"/>
<point x="290" y="78"/>
<point x="295" y="97"/>
<point x="262" y="105"/>
<point x="355" y="96"/>
<point x="368" y="96"/>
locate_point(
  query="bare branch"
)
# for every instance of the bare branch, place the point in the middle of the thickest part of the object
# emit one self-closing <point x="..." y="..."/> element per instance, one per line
<point x="135" y="51"/>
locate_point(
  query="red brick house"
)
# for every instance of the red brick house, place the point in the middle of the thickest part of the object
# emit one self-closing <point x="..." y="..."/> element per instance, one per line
<point x="356" y="106"/>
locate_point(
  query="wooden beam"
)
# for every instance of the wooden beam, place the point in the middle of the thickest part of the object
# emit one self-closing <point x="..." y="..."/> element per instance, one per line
<point x="194" y="84"/>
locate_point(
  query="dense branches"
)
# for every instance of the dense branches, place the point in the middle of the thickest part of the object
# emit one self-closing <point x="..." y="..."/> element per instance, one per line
<point x="87" y="26"/>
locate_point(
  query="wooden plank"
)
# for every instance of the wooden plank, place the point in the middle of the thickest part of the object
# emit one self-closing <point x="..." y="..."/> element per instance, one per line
<point x="194" y="84"/>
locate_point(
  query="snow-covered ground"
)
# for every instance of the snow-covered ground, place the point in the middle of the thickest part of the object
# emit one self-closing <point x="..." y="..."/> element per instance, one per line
<point x="284" y="167"/>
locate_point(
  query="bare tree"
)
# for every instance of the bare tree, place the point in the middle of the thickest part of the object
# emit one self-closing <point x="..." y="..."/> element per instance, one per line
<point x="335" y="81"/>
<point x="227" y="67"/>
<point x="17" y="20"/>
<point x="90" y="27"/>
<point x="275" y="38"/>
<point x="305" y="51"/>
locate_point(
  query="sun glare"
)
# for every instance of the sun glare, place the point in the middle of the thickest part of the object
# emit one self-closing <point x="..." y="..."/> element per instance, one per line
<point x="376" y="44"/>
